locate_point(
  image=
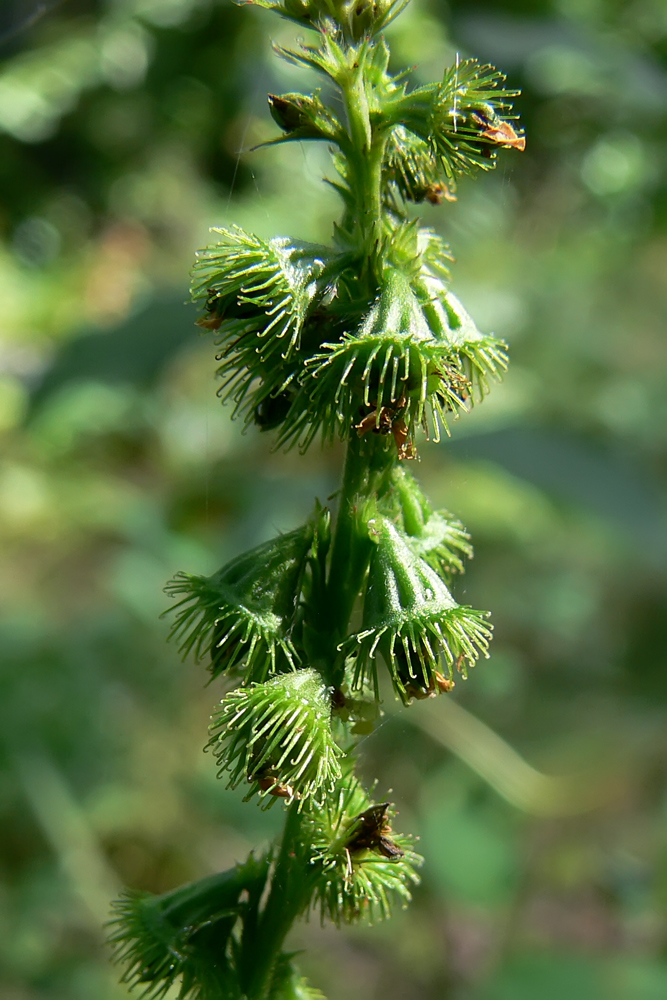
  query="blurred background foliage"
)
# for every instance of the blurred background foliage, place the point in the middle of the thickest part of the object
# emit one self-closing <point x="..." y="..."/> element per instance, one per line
<point x="540" y="790"/>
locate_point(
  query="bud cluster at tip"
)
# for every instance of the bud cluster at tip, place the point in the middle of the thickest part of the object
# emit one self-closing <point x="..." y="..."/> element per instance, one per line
<point x="354" y="18"/>
<point x="361" y="336"/>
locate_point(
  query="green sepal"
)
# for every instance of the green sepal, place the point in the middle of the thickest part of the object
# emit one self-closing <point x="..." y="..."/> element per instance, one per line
<point x="437" y="537"/>
<point x="356" y="884"/>
<point x="277" y="736"/>
<point x="244" y="613"/>
<point x="329" y="58"/>
<point x="185" y="933"/>
<point x="412" y="620"/>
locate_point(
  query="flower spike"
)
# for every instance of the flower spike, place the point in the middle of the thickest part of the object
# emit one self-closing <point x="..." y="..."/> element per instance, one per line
<point x="357" y="340"/>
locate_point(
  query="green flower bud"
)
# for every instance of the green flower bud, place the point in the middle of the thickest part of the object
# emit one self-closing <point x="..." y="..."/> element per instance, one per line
<point x="245" y="612"/>
<point x="413" y="621"/>
<point x="365" y="17"/>
<point x="277" y="736"/>
<point x="304" y="117"/>
<point x="355" y="18"/>
<point x="361" y="865"/>
<point x="184" y="933"/>
<point x="289" y="111"/>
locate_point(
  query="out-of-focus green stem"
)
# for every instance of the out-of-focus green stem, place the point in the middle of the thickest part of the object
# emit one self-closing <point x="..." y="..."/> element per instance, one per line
<point x="506" y="771"/>
<point x="67" y="829"/>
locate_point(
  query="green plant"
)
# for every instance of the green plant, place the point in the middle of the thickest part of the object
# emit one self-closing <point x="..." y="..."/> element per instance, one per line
<point x="362" y="341"/>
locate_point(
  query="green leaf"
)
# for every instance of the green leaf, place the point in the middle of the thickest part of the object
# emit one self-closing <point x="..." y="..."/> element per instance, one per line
<point x="362" y="866"/>
<point x="277" y="736"/>
<point x="413" y="621"/>
<point x="184" y="933"/>
<point x="244" y="613"/>
<point x="329" y="58"/>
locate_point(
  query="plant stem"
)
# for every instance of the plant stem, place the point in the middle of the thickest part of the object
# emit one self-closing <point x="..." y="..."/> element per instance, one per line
<point x="368" y="463"/>
<point x="348" y="558"/>
<point x="290" y="891"/>
<point x="365" y="165"/>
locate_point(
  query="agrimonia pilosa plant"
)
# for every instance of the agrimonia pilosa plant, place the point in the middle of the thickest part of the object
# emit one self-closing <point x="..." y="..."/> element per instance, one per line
<point x="363" y="341"/>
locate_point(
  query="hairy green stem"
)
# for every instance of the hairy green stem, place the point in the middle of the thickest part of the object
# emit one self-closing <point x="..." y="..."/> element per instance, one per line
<point x="365" y="164"/>
<point x="368" y="465"/>
<point x="290" y="892"/>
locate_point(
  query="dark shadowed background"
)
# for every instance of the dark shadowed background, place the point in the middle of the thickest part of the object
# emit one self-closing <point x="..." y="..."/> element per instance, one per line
<point x="539" y="790"/>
